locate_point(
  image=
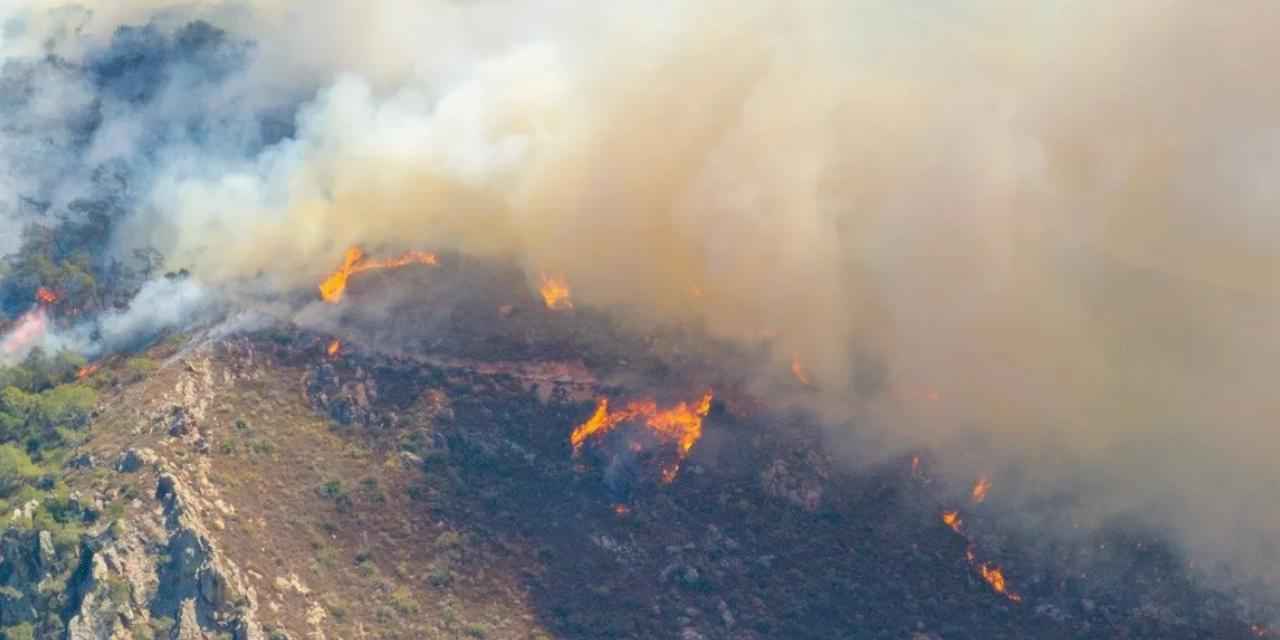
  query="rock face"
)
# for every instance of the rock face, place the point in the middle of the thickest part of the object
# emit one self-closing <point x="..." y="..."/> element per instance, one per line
<point x="346" y="401"/>
<point x="802" y="488"/>
<point x="24" y="566"/>
<point x="155" y="574"/>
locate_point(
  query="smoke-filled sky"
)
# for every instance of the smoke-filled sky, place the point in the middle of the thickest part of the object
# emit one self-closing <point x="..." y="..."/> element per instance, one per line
<point x="1061" y="217"/>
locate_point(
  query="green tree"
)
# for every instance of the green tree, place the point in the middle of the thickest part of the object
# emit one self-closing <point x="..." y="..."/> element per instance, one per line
<point x="16" y="470"/>
<point x="41" y="420"/>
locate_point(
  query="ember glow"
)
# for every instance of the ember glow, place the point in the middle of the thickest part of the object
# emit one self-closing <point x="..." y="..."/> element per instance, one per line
<point x="555" y="292"/>
<point x="334" y="348"/>
<point x="46" y="296"/>
<point x="797" y="370"/>
<point x="995" y="577"/>
<point x="621" y="509"/>
<point x="355" y="261"/>
<point x="952" y="519"/>
<point x="88" y="370"/>
<point x="990" y="573"/>
<point x="681" y="424"/>
<point x="980" y="489"/>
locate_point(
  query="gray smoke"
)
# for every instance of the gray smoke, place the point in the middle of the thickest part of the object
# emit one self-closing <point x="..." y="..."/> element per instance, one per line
<point x="1053" y="224"/>
<point x="161" y="305"/>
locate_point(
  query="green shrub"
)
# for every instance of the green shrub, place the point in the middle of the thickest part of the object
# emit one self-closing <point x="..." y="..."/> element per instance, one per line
<point x="332" y="489"/>
<point x="22" y="631"/>
<point x="118" y="592"/>
<point x="449" y="541"/>
<point x="16" y="470"/>
<point x="44" y="421"/>
<point x="140" y="367"/>
<point x="439" y="576"/>
<point x="162" y="625"/>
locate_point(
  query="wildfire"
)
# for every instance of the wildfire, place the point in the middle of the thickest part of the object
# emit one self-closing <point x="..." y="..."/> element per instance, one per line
<point x="555" y="292"/>
<point x="915" y="468"/>
<point x="995" y="577"/>
<point x="46" y="296"/>
<point x="621" y="509"/>
<point x="334" y="348"/>
<point x="29" y="327"/>
<point x="980" y="489"/>
<point x="681" y="424"/>
<point x="355" y="261"/>
<point x="88" y="370"/>
<point x="952" y="519"/>
<point x="798" y="370"/>
<point x="990" y="573"/>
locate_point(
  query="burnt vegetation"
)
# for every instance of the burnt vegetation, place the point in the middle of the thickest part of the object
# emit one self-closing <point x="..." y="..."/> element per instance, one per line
<point x="420" y="479"/>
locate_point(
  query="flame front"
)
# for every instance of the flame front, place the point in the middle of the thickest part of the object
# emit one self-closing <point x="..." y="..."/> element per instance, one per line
<point x="980" y="489"/>
<point x="334" y="348"/>
<point x="797" y="370"/>
<point x="355" y="261"/>
<point x="952" y="519"/>
<point x="995" y="577"/>
<point x="88" y="370"/>
<point x="555" y="292"/>
<point x="681" y="424"/>
<point x="46" y="296"/>
<point x="990" y="573"/>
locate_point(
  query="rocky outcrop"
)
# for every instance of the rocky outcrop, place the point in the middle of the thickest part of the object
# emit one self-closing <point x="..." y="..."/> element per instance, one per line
<point x="801" y="485"/>
<point x="25" y="565"/>
<point x="198" y="586"/>
<point x="134" y="459"/>
<point x="345" y="401"/>
<point x="157" y="570"/>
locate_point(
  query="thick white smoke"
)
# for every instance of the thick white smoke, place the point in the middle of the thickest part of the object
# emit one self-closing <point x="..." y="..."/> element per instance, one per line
<point x="1058" y="217"/>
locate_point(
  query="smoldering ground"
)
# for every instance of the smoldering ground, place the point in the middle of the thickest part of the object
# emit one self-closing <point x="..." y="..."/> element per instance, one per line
<point x="1054" y="224"/>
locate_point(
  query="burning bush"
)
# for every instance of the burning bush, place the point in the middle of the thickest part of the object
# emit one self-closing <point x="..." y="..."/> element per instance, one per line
<point x="680" y="425"/>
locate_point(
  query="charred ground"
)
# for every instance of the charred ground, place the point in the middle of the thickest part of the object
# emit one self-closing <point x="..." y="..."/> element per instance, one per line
<point x="419" y="483"/>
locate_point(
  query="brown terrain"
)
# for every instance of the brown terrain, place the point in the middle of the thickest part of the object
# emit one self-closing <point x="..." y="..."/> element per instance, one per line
<point x="415" y="479"/>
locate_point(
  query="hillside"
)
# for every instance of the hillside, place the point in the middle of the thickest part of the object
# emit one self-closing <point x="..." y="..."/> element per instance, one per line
<point x="273" y="485"/>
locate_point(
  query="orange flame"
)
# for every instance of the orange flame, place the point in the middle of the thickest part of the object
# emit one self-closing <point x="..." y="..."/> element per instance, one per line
<point x="980" y="489"/>
<point x="354" y="261"/>
<point x="46" y="296"/>
<point x="797" y="370"/>
<point x="555" y="292"/>
<point x="621" y="509"/>
<point x="952" y="519"/>
<point x="88" y="370"/>
<point x="334" y="348"/>
<point x="995" y="577"/>
<point x="915" y="467"/>
<point x="990" y="573"/>
<point x="681" y="424"/>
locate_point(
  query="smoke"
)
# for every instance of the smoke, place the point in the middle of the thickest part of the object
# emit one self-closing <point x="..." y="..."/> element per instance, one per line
<point x="161" y="305"/>
<point x="1055" y="223"/>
